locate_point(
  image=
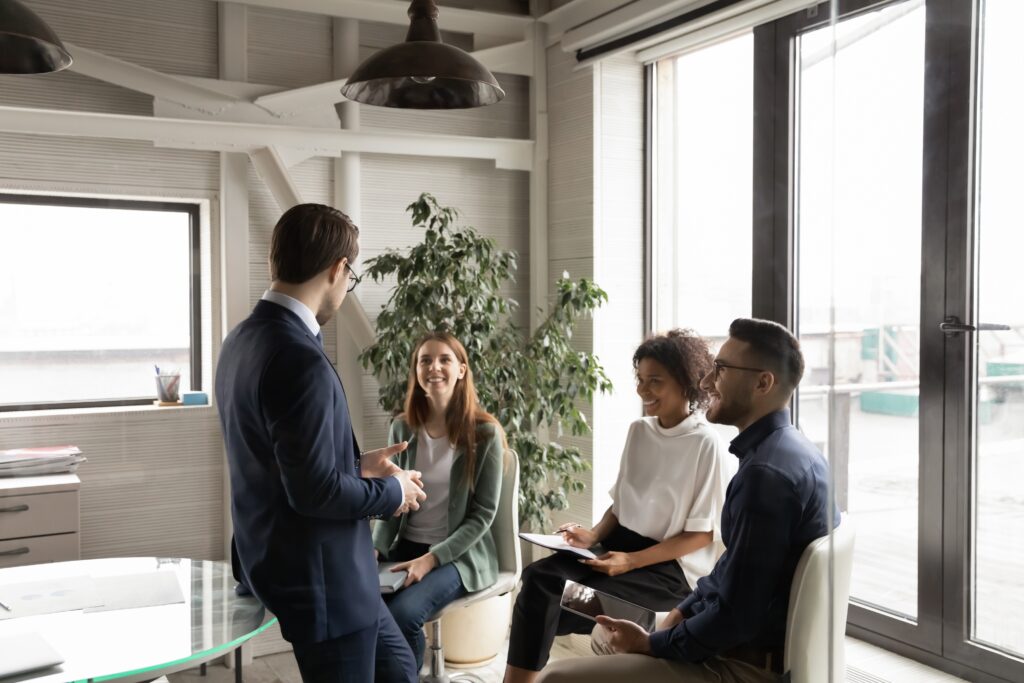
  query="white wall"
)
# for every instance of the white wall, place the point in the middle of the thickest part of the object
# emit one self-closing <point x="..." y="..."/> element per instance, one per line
<point x="596" y="231"/>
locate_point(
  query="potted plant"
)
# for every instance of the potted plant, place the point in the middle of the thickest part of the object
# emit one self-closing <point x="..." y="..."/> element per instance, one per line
<point x="535" y="384"/>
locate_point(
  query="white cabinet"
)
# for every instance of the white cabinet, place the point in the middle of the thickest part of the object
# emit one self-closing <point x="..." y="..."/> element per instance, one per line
<point x="39" y="519"/>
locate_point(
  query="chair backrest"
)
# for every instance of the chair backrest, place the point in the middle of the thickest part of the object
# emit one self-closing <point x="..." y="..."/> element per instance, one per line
<point x="505" y="527"/>
<point x="810" y="613"/>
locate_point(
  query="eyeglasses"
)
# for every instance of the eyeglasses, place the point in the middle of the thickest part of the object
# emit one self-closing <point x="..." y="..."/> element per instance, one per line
<point x="718" y="365"/>
<point x="353" y="277"/>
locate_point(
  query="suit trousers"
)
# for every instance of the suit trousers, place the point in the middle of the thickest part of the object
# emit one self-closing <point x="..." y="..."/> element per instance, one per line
<point x="617" y="668"/>
<point x="355" y="657"/>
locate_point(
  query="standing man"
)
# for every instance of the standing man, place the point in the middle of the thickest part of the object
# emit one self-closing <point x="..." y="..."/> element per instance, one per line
<point x="733" y="626"/>
<point x="300" y="496"/>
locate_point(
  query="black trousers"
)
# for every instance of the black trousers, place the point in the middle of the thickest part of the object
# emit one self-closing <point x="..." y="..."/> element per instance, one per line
<point x="537" y="617"/>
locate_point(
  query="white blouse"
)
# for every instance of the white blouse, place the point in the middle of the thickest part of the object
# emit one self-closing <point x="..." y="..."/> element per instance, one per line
<point x="673" y="480"/>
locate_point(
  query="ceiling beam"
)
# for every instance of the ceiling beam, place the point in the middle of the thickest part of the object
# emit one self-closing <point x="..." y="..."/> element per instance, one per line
<point x="288" y="103"/>
<point x="513" y="58"/>
<point x="149" y="81"/>
<point x="248" y="137"/>
<point x="508" y="26"/>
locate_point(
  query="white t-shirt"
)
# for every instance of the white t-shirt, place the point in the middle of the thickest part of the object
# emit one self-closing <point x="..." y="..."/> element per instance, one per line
<point x="673" y="480"/>
<point x="434" y="459"/>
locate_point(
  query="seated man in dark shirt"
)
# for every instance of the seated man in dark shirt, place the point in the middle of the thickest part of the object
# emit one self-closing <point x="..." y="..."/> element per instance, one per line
<point x="732" y="627"/>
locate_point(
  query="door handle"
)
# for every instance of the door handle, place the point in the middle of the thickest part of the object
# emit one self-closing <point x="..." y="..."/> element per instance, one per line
<point x="952" y="325"/>
<point x="15" y="508"/>
<point x="17" y="551"/>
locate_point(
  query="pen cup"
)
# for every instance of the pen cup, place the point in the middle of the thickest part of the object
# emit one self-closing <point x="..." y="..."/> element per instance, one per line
<point x="167" y="387"/>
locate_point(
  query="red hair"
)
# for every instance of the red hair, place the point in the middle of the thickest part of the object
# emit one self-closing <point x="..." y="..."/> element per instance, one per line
<point x="464" y="415"/>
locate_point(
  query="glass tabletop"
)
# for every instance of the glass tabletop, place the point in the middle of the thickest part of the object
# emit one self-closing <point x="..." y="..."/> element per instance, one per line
<point x="128" y="643"/>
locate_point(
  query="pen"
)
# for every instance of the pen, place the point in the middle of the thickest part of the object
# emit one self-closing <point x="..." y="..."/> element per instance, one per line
<point x="157" y="368"/>
<point x="5" y="607"/>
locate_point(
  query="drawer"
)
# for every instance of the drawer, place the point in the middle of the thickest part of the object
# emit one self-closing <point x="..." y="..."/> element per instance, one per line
<point x="38" y="514"/>
<point x="37" y="550"/>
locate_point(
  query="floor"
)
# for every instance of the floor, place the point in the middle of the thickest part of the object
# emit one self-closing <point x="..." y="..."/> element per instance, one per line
<point x="865" y="664"/>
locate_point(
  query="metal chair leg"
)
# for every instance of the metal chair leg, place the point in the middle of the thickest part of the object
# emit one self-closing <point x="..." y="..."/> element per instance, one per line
<point x="437" y="671"/>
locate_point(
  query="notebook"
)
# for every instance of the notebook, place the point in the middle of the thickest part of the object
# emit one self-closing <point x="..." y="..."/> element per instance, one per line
<point x="26" y="652"/>
<point x="390" y="582"/>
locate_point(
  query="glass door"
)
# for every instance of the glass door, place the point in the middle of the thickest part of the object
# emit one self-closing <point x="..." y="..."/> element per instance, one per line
<point x="858" y="235"/>
<point x="888" y="174"/>
<point x="986" y="599"/>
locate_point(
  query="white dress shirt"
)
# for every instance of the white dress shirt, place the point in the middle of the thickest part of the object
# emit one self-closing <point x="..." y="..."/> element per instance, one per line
<point x="295" y="306"/>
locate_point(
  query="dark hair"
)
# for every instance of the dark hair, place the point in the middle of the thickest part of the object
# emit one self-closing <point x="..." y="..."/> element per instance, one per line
<point x="774" y="346"/>
<point x="307" y="239"/>
<point x="465" y="414"/>
<point x="687" y="358"/>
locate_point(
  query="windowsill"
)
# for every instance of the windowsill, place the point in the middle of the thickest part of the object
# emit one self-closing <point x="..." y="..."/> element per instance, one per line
<point x="16" y="415"/>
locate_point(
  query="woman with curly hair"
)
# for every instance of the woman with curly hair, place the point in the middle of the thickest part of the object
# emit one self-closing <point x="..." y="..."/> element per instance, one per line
<point x="661" y="532"/>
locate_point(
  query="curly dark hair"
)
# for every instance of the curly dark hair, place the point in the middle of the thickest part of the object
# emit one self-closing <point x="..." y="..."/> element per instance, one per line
<point x="686" y="356"/>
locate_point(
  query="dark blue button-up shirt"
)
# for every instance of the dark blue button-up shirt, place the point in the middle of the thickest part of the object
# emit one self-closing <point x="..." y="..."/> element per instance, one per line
<point x="774" y="507"/>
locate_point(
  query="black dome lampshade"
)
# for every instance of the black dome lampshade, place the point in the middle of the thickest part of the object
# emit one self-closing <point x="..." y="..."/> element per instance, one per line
<point x="423" y="72"/>
<point x="27" y="44"/>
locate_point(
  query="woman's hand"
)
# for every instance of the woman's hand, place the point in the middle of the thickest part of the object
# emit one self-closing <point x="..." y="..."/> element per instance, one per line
<point x="577" y="536"/>
<point x="612" y="564"/>
<point x="417" y="568"/>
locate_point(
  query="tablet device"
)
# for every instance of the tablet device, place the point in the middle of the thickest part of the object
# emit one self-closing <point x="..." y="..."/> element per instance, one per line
<point x="390" y="582"/>
<point x="26" y="652"/>
<point x="590" y="603"/>
<point x="557" y="542"/>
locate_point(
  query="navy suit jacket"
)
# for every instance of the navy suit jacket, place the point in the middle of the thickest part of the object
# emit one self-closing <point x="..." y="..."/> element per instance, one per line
<point x="298" y="503"/>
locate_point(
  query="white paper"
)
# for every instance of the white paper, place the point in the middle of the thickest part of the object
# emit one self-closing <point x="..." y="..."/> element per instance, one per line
<point x="556" y="542"/>
<point x="128" y="591"/>
<point x="48" y="597"/>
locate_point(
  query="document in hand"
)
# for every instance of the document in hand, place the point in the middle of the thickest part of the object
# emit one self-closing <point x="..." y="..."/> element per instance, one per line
<point x="390" y="582"/>
<point x="556" y="542"/>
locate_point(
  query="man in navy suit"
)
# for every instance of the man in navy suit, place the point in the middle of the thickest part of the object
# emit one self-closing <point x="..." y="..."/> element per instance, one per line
<point x="301" y="492"/>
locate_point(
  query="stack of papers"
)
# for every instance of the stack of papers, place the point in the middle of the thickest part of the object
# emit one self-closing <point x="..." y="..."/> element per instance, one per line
<point x="30" y="462"/>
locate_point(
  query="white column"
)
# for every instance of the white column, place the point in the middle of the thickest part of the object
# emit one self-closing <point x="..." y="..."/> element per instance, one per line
<point x="347" y="198"/>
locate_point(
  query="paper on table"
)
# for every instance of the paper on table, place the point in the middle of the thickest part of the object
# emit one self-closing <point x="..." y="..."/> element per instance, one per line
<point x="48" y="597"/>
<point x="127" y="591"/>
<point x="556" y="542"/>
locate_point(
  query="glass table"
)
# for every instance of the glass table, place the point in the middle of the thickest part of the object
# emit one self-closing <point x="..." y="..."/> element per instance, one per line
<point x="140" y="643"/>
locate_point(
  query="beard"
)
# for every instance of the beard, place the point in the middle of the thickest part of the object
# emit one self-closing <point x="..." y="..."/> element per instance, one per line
<point x="728" y="411"/>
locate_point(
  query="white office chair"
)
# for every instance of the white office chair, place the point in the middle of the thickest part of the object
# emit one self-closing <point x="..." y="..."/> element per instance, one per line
<point x="806" y="658"/>
<point x="505" y="530"/>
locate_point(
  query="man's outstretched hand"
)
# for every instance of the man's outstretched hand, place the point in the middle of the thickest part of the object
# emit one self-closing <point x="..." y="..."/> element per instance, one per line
<point x="378" y="463"/>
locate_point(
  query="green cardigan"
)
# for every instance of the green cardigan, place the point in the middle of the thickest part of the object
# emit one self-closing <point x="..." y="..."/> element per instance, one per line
<point x="470" y="545"/>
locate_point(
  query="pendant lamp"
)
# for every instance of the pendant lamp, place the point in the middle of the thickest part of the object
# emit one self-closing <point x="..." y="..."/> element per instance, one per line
<point x="27" y="44"/>
<point x="423" y="72"/>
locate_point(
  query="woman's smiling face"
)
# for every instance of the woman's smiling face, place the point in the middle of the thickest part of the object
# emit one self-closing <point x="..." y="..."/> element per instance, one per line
<point x="661" y="393"/>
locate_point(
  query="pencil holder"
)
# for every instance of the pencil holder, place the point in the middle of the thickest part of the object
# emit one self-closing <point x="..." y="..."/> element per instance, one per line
<point x="167" y="387"/>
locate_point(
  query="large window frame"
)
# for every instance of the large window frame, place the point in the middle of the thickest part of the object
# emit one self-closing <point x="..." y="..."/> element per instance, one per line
<point x="192" y="210"/>
<point x="940" y="635"/>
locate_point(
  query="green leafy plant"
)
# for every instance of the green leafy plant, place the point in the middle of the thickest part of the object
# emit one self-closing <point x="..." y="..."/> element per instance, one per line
<point x="534" y="383"/>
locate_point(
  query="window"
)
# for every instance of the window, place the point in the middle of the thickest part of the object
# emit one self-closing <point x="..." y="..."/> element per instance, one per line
<point x="702" y="158"/>
<point x="93" y="294"/>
